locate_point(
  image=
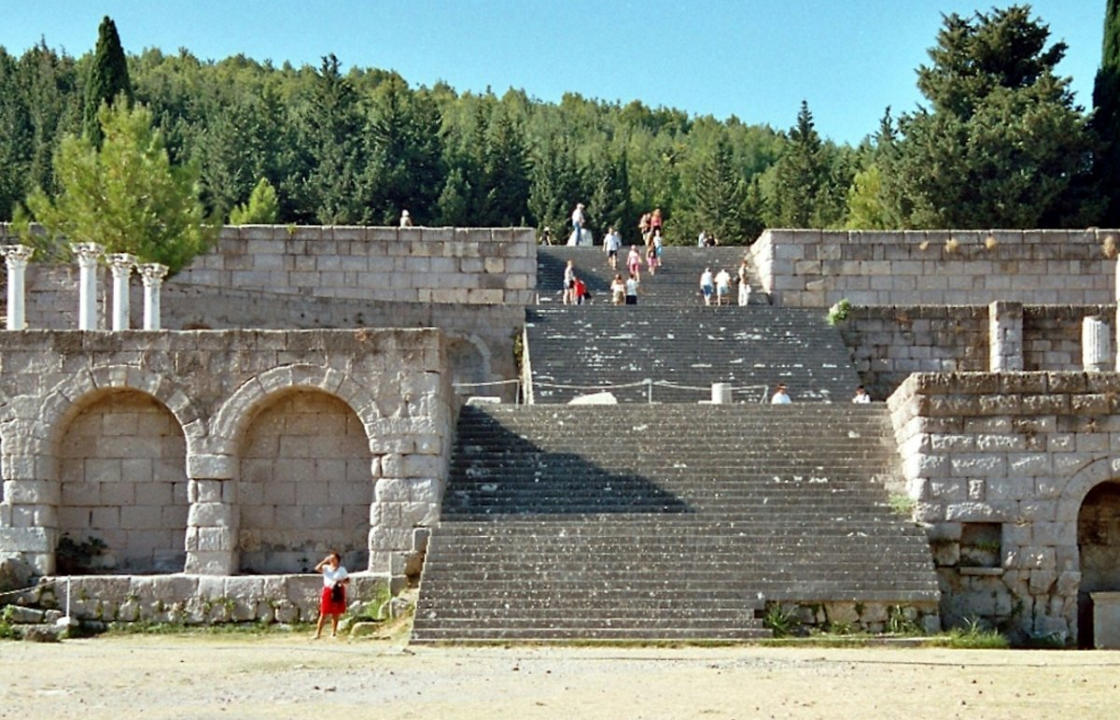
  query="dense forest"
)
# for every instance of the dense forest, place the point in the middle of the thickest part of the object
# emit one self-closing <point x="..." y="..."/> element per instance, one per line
<point x="999" y="142"/>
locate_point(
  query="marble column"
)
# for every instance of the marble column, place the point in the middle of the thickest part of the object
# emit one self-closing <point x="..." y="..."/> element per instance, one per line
<point x="1096" y="347"/>
<point x="121" y="265"/>
<point x="16" y="256"/>
<point x="152" y="274"/>
<point x="87" y="254"/>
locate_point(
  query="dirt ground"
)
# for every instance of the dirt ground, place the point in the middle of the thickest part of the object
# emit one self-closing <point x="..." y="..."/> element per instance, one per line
<point x="240" y="676"/>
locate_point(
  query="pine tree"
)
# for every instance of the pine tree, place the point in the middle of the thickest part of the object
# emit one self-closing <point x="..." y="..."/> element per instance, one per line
<point x="720" y="196"/>
<point x="262" y="209"/>
<point x="1106" y="116"/>
<point x="799" y="174"/>
<point x="108" y="77"/>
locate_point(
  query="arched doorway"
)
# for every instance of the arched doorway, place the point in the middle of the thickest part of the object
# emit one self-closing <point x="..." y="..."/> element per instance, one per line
<point x="123" y="487"/>
<point x="1098" y="541"/>
<point x="305" y="485"/>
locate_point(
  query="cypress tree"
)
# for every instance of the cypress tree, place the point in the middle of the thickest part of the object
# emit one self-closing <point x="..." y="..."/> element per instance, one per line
<point x="1106" y="115"/>
<point x="108" y="77"/>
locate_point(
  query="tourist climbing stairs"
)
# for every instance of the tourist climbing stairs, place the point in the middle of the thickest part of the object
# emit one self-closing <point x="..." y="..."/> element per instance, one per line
<point x="673" y="522"/>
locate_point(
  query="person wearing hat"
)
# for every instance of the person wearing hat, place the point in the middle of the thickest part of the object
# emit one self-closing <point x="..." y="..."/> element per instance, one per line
<point x="406" y="220"/>
<point x="781" y="397"/>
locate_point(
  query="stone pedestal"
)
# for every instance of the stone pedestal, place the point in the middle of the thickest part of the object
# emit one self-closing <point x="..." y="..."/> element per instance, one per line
<point x="16" y="257"/>
<point x="87" y="254"/>
<point x="152" y="274"/>
<point x="121" y="265"/>
<point x="1106" y="620"/>
<point x="1005" y="336"/>
<point x="1096" y="348"/>
<point x="721" y="393"/>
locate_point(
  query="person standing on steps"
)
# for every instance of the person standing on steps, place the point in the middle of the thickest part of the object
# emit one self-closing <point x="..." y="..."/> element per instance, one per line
<point x="578" y="222"/>
<point x="546" y="236"/>
<point x="332" y="602"/>
<point x="643" y="227"/>
<point x="634" y="262"/>
<point x="861" y="397"/>
<point x="569" y="282"/>
<point x="781" y="397"/>
<point x="612" y="241"/>
<point x="707" y="286"/>
<point x="618" y="289"/>
<point x="632" y="290"/>
<point x="658" y="244"/>
<point x="580" y="291"/>
<point x="651" y="259"/>
<point x="655" y="222"/>
<point x="744" y="284"/>
<point x="723" y="287"/>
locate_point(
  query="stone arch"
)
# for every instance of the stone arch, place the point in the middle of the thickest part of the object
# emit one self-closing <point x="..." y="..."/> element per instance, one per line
<point x="69" y="398"/>
<point x="469" y="360"/>
<point x="120" y="458"/>
<point x="1098" y="546"/>
<point x="238" y="411"/>
<point x="304" y="482"/>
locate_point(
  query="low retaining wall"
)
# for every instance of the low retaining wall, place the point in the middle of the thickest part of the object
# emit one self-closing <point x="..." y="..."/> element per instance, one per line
<point x="199" y="599"/>
<point x="816" y="268"/>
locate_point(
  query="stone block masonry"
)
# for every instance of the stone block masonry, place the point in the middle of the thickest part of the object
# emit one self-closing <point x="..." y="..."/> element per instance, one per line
<point x="815" y="268"/>
<point x="217" y="451"/>
<point x="998" y="466"/>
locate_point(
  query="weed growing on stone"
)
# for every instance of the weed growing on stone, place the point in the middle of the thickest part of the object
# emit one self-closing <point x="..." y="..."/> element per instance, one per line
<point x="901" y="504"/>
<point x="779" y="620"/>
<point x="839" y="312"/>
<point x="975" y="636"/>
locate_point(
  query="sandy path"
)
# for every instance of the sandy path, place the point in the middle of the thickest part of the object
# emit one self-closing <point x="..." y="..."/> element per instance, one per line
<point x="154" y="677"/>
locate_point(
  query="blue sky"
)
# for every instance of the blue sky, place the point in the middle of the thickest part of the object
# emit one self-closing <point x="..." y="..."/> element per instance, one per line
<point x="755" y="59"/>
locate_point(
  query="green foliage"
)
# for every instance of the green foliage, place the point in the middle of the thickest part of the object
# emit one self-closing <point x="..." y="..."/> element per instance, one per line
<point x="839" y="311"/>
<point x="810" y="179"/>
<point x="780" y="620"/>
<point x="74" y="557"/>
<point x="901" y="504"/>
<point x="899" y="623"/>
<point x="974" y="636"/>
<point x="262" y="208"/>
<point x="125" y="195"/>
<point x="1003" y="145"/>
<point x="1106" y="116"/>
<point x="107" y="81"/>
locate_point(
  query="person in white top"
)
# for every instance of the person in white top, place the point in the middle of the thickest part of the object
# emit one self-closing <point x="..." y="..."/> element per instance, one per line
<point x="781" y="397"/>
<point x="577" y="223"/>
<point x="612" y="241"/>
<point x="723" y="287"/>
<point x="406" y="219"/>
<point x="569" y="283"/>
<point x="707" y="286"/>
<point x="744" y="284"/>
<point x="332" y="603"/>
<point x="861" y="396"/>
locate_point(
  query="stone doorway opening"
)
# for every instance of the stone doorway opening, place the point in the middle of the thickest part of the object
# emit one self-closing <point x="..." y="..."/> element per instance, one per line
<point x="1098" y="542"/>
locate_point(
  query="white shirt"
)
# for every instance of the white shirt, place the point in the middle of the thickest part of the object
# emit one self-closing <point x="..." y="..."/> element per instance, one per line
<point x="631" y="287"/>
<point x="862" y="399"/>
<point x="577" y="217"/>
<point x="723" y="280"/>
<point x="332" y="576"/>
<point x="780" y="398"/>
<point x="706" y="278"/>
<point x="613" y="241"/>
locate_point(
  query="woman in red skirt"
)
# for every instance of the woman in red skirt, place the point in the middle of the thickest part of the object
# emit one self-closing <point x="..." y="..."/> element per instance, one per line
<point x="333" y="600"/>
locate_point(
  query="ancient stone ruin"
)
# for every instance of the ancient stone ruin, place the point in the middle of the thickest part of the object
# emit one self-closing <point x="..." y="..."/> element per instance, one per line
<point x="301" y="389"/>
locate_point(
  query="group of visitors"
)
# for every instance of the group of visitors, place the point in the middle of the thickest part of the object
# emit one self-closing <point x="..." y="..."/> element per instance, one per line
<point x="706" y="239"/>
<point x="575" y="289"/>
<point x="719" y="285"/>
<point x="781" y="396"/>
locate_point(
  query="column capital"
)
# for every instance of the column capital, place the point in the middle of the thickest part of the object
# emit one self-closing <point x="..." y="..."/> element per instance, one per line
<point x="152" y="273"/>
<point x="87" y="252"/>
<point x="121" y="262"/>
<point x="17" y="255"/>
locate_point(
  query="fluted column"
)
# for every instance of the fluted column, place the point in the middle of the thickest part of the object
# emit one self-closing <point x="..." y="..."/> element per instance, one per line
<point x="1096" y="350"/>
<point x="16" y="257"/>
<point x="87" y="254"/>
<point x="121" y="265"/>
<point x="152" y="274"/>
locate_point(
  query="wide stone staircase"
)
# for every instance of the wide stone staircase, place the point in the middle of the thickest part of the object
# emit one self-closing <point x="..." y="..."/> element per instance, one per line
<point x="677" y="283"/>
<point x="682" y="350"/>
<point x="663" y="522"/>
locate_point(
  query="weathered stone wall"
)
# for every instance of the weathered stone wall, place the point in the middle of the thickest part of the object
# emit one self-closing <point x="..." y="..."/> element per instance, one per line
<point x="199" y="599"/>
<point x="214" y="384"/>
<point x="815" y="268"/>
<point x="888" y="343"/>
<point x="442" y="265"/>
<point x="122" y="469"/>
<point x="998" y="465"/>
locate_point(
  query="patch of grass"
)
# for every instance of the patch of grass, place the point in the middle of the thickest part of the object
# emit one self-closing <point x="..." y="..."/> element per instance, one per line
<point x="973" y="636"/>
<point x="901" y="504"/>
<point x="7" y="632"/>
<point x="258" y="627"/>
<point x="839" y="312"/>
<point x="779" y="620"/>
<point x="899" y="624"/>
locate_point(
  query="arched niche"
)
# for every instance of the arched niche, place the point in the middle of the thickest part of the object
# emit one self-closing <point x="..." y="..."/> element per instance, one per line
<point x="1098" y="542"/>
